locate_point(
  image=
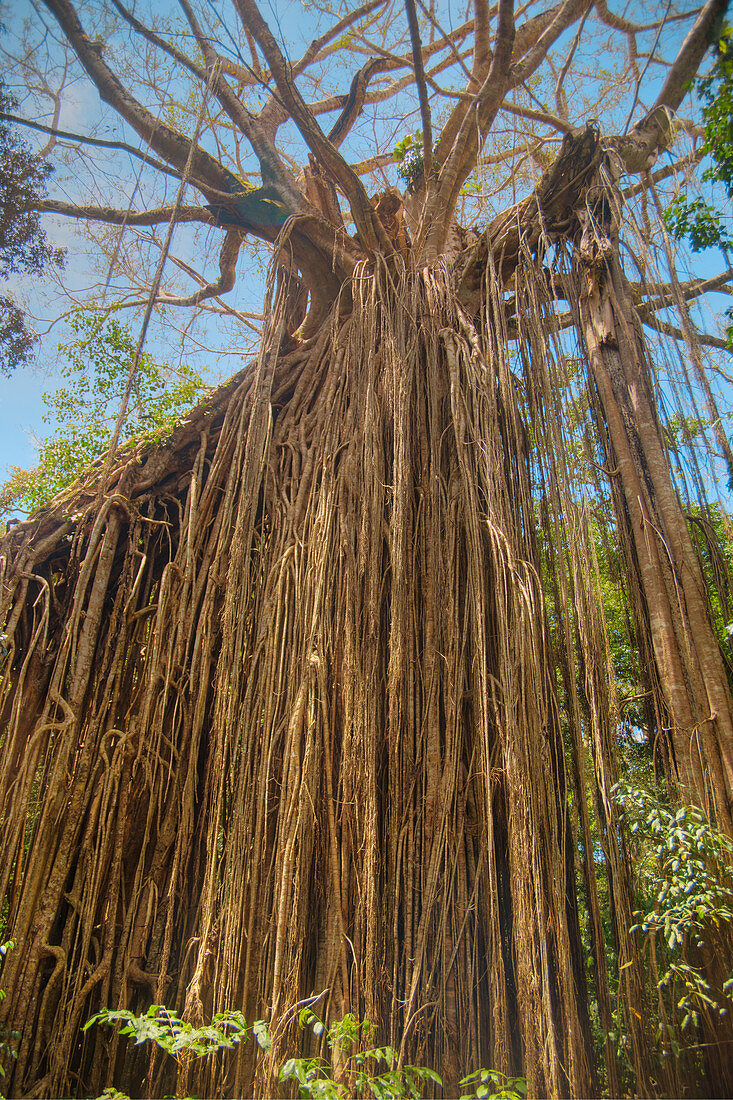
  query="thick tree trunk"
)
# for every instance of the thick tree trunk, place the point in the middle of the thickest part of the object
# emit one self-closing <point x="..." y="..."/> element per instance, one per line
<point x="687" y="653"/>
<point x="302" y="732"/>
<point x="320" y="742"/>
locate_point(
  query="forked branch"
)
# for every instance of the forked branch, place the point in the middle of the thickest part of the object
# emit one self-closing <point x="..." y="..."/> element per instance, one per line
<point x="367" y="222"/>
<point x="169" y="144"/>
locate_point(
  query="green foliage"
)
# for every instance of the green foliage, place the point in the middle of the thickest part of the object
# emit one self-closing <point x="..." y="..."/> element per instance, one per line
<point x="696" y="221"/>
<point x="23" y="245"/>
<point x="83" y="412"/>
<point x="410" y="160"/>
<point x="716" y="89"/>
<point x="175" y="1036"/>
<point x="489" y="1084"/>
<point x="693" y="219"/>
<point x="685" y="871"/>
<point x="315" y="1076"/>
<point x="374" y="1072"/>
<point x="8" y="1039"/>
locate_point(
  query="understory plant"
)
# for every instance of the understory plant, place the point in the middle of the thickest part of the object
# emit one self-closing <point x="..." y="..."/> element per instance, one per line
<point x="685" y="880"/>
<point x="345" y="1070"/>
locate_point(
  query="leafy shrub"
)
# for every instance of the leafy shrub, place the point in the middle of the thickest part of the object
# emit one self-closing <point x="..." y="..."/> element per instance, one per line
<point x="686" y="866"/>
<point x="373" y="1072"/>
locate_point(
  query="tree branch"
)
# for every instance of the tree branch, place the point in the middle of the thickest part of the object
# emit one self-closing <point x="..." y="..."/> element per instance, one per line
<point x="354" y="104"/>
<point x="422" y="91"/>
<point x="695" y="288"/>
<point x="155" y="40"/>
<point x="69" y="136"/>
<point x="127" y="217"/>
<point x="314" y="50"/>
<point x="546" y="117"/>
<point x="691" y="53"/>
<point x="367" y="222"/>
<point x="439" y="211"/>
<point x="672" y="330"/>
<point x="227" y="273"/>
<point x="272" y="170"/>
<point x="169" y="144"/>
<point x="563" y="17"/>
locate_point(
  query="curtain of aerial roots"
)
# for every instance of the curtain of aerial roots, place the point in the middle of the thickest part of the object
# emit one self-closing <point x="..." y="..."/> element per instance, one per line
<point x="292" y="726"/>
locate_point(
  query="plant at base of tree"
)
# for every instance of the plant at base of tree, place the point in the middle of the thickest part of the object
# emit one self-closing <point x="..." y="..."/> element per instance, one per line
<point x="179" y="1038"/>
<point x="685" y="871"/>
<point x="489" y="1084"/>
<point x="318" y="1079"/>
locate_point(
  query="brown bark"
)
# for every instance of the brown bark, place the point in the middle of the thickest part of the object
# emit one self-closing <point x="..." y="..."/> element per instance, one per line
<point x="687" y="653"/>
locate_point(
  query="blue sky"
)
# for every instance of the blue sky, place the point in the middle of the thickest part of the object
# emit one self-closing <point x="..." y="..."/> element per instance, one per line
<point x="21" y="396"/>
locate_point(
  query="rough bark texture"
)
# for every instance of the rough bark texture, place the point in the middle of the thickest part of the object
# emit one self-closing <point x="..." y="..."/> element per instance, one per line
<point x="289" y="712"/>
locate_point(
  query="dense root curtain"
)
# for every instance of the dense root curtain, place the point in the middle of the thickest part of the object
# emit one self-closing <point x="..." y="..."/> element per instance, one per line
<point x="283" y="716"/>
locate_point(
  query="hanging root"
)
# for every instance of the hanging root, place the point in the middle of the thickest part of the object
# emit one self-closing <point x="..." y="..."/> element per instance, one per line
<point x="282" y="716"/>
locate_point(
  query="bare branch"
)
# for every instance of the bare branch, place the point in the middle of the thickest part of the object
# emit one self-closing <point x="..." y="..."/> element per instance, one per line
<point x="422" y="91"/>
<point x="112" y="216"/>
<point x="690" y="55"/>
<point x="354" y="104"/>
<point x="439" y="212"/>
<point x="87" y="140"/>
<point x="564" y="16"/>
<point x="169" y="144"/>
<point x="546" y="117"/>
<point x="156" y="40"/>
<point x="272" y="170"/>
<point x="663" y="173"/>
<point x="316" y="48"/>
<point x="672" y="330"/>
<point x="482" y="41"/>
<point x="690" y="290"/>
<point x="366" y="220"/>
<point x="227" y="273"/>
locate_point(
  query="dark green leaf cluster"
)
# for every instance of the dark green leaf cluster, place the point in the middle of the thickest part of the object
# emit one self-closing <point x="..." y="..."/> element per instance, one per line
<point x="23" y="245"/>
<point x="694" y="220"/>
<point x="697" y="222"/>
<point x="692" y="891"/>
<point x="716" y="90"/>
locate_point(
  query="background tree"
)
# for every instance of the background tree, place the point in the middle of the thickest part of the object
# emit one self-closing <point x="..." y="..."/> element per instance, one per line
<point x="317" y="694"/>
<point x="83" y="412"/>
<point x="23" y="245"/>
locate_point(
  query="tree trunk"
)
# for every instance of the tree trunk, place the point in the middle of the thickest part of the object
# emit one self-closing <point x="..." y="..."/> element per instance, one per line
<point x="686" y="651"/>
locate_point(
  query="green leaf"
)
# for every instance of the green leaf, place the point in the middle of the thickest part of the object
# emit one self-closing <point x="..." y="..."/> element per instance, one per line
<point x="261" y="1032"/>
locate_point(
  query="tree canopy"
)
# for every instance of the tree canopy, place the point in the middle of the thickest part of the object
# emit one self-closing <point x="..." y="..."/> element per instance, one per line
<point x="23" y="245"/>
